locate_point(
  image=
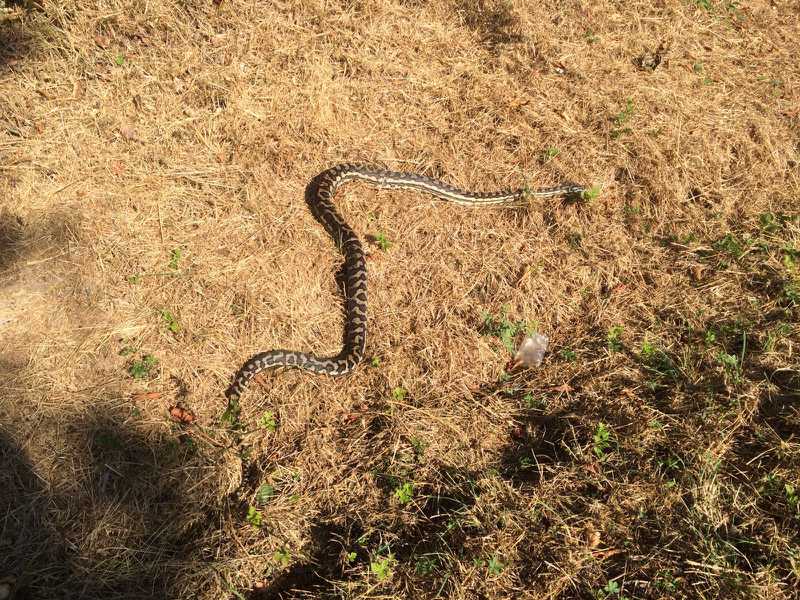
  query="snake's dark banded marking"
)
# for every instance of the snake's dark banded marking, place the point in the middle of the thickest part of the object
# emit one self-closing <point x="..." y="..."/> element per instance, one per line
<point x="319" y="196"/>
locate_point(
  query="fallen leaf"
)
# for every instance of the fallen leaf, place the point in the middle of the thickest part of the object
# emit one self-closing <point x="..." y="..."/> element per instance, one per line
<point x="564" y="388"/>
<point x="603" y="554"/>
<point x="591" y="535"/>
<point x="518" y="432"/>
<point x="696" y="272"/>
<point x="260" y="379"/>
<point x="102" y="40"/>
<point x="182" y="415"/>
<point x="142" y="396"/>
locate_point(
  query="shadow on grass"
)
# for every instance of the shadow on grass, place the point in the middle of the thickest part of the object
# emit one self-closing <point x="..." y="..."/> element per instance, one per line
<point x="12" y="234"/>
<point x="16" y="41"/>
<point x="343" y="549"/>
<point x="120" y="525"/>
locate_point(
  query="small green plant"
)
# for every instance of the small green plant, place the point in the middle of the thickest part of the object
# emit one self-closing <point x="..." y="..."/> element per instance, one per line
<point x="568" y="354"/>
<point x="265" y="493"/>
<point x="791" y="292"/>
<point x="382" y="241"/>
<point x="611" y="589"/>
<point x="495" y="566"/>
<point x="282" y="557"/>
<point x="704" y="4"/>
<point x="730" y="244"/>
<point x="375" y="362"/>
<point x="534" y="402"/>
<point x="657" y="360"/>
<point x="625" y="114"/>
<point x="231" y="415"/>
<point x="621" y="118"/>
<point x="665" y="581"/>
<point x="427" y="564"/>
<point x="135" y="279"/>
<point x="550" y="153"/>
<point x="418" y="445"/>
<point x="614" y="338"/>
<point x="254" y="517"/>
<point x="404" y="493"/>
<point x="505" y="329"/>
<point x="119" y="60"/>
<point x="731" y="364"/>
<point x="175" y="258"/>
<point x="602" y="440"/>
<point x="171" y="321"/>
<point x="381" y="567"/>
<point x="770" y="222"/>
<point x="590" y="194"/>
<point x="143" y="368"/>
<point x="268" y="421"/>
<point x="775" y="335"/>
<point x="351" y="557"/>
<point x="792" y="497"/>
<point x="399" y="393"/>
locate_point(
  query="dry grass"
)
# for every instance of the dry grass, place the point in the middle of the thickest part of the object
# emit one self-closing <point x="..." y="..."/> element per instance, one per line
<point x="153" y="157"/>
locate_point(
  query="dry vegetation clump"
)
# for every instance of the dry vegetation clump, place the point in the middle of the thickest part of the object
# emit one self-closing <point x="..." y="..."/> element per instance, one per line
<point x="153" y="235"/>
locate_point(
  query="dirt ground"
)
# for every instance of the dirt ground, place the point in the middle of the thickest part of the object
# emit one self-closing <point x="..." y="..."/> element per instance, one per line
<point x="153" y="236"/>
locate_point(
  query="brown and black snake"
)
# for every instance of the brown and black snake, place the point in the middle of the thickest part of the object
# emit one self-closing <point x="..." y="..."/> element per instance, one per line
<point x="319" y="196"/>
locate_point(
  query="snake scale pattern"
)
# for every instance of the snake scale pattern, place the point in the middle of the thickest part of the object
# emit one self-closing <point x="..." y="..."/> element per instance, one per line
<point x="319" y="196"/>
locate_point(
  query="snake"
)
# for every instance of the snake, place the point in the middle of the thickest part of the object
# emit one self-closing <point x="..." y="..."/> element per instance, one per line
<point x="353" y="276"/>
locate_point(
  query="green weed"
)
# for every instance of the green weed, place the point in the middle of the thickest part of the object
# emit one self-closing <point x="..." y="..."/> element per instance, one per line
<point x="730" y="244"/>
<point x="603" y="440"/>
<point x="590" y="194"/>
<point x="495" y="566"/>
<point x="621" y="118"/>
<point x="399" y="393"/>
<point x="404" y="493"/>
<point x="426" y="565"/>
<point x="171" y="321"/>
<point x="614" y="338"/>
<point x="611" y="589"/>
<point x="231" y="415"/>
<point x="381" y="567"/>
<point x="382" y="241"/>
<point x="505" y="329"/>
<point x="568" y="354"/>
<point x="265" y="493"/>
<point x="282" y="557"/>
<point x="254" y="517"/>
<point x="550" y="153"/>
<point x="268" y="421"/>
<point x="143" y="368"/>
<point x="175" y="258"/>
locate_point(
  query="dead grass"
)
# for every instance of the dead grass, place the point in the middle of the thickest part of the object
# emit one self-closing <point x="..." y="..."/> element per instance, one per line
<point x="153" y="157"/>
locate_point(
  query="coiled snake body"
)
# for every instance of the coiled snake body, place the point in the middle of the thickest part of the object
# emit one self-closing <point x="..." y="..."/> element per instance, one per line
<point x="319" y="196"/>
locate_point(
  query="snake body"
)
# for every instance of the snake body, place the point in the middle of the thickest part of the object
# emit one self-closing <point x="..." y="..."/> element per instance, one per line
<point x="319" y="196"/>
